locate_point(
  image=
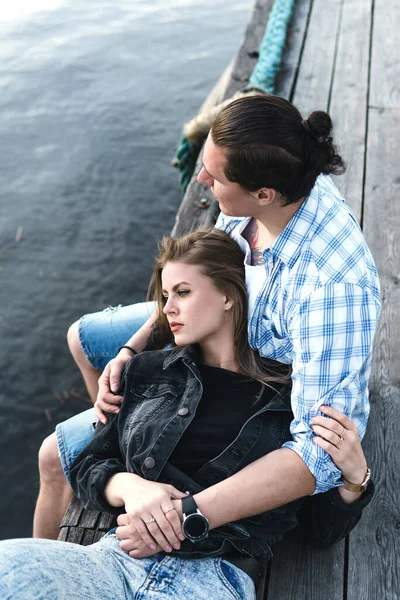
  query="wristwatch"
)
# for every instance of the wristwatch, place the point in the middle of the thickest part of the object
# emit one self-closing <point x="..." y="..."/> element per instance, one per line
<point x="357" y="487"/>
<point x="195" y="525"/>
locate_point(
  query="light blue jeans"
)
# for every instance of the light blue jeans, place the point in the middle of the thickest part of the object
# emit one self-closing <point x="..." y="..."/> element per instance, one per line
<point x="33" y="569"/>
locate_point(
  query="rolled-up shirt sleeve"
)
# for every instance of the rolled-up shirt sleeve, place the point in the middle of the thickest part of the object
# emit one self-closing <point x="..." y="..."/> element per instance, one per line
<point x="332" y="332"/>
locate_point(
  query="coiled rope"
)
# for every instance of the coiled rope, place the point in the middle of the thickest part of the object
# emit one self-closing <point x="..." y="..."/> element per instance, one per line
<point x="262" y="81"/>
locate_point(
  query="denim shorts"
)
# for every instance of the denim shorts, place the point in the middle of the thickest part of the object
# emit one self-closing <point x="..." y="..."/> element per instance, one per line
<point x="100" y="335"/>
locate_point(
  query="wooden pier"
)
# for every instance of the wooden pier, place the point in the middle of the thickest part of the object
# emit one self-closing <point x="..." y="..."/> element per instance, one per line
<point x="342" y="56"/>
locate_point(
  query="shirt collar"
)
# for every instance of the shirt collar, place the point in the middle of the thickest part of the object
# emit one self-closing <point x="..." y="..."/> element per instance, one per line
<point x="288" y="244"/>
<point x="190" y="352"/>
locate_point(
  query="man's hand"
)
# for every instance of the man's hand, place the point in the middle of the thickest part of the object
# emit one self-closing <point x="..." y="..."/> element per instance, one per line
<point x="131" y="541"/>
<point x="108" y="400"/>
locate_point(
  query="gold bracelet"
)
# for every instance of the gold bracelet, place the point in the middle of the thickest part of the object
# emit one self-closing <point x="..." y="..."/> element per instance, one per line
<point x="357" y="487"/>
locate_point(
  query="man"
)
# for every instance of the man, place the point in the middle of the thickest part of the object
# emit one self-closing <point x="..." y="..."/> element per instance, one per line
<point x="313" y="299"/>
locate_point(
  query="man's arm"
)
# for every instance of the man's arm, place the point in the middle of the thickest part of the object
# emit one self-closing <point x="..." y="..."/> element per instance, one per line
<point x="138" y="342"/>
<point x="273" y="480"/>
<point x="108" y="398"/>
<point x="332" y="332"/>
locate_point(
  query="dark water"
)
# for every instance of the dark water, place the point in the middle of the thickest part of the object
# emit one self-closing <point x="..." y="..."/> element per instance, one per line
<point x="93" y="97"/>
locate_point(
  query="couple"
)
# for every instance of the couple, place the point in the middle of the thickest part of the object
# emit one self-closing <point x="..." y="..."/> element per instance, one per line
<point x="313" y="303"/>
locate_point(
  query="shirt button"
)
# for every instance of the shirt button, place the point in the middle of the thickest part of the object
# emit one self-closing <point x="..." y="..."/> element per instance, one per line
<point x="149" y="462"/>
<point x="183" y="411"/>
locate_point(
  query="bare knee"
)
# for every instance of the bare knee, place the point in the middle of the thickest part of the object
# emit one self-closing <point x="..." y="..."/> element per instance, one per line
<point x="75" y="347"/>
<point x="50" y="467"/>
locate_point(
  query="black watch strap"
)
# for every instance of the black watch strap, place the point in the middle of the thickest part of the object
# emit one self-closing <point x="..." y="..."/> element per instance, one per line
<point x="189" y="505"/>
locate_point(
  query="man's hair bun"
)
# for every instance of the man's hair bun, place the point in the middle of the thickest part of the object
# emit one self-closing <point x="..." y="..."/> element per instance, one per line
<point x="320" y="124"/>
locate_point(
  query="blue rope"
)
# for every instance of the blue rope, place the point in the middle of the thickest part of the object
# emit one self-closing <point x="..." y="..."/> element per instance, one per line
<point x="263" y="77"/>
<point x="186" y="156"/>
<point x="272" y="46"/>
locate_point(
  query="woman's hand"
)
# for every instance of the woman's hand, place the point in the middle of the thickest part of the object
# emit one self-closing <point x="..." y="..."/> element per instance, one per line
<point x="339" y="437"/>
<point x="132" y="542"/>
<point x="109" y="382"/>
<point x="151" y="512"/>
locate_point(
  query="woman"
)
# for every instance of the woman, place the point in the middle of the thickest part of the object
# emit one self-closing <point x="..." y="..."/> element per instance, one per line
<point x="192" y="417"/>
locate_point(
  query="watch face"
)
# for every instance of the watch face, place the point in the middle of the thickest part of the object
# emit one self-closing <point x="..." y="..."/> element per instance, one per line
<point x="195" y="527"/>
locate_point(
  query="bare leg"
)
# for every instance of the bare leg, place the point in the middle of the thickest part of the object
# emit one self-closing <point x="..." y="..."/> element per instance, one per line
<point x="89" y="373"/>
<point x="55" y="492"/>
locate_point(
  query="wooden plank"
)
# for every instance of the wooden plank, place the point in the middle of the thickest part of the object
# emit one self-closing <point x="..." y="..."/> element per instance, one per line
<point x="300" y="570"/>
<point x="218" y="92"/>
<point x="192" y="214"/>
<point x="317" y="61"/>
<point x="286" y="78"/>
<point x="63" y="535"/>
<point x="97" y="535"/>
<point x="85" y="519"/>
<point x="106" y="522"/>
<point x="75" y="535"/>
<point x="89" y="537"/>
<point x="73" y="514"/>
<point x="374" y="555"/>
<point x="385" y="63"/>
<point x="348" y="105"/>
<point x="248" y="53"/>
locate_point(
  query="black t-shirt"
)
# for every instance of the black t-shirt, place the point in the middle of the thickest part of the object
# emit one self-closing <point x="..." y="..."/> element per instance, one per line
<point x="228" y="400"/>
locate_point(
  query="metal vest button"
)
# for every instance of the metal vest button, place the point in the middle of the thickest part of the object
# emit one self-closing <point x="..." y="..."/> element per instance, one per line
<point x="149" y="462"/>
<point x="183" y="411"/>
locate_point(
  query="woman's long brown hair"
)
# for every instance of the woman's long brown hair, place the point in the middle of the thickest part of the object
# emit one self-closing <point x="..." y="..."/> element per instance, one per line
<point x="220" y="259"/>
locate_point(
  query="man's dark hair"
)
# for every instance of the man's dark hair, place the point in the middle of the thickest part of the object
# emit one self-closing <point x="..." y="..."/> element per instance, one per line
<point x="268" y="144"/>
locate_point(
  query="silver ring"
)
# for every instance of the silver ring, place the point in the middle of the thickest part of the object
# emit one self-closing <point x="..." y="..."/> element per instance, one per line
<point x="149" y="520"/>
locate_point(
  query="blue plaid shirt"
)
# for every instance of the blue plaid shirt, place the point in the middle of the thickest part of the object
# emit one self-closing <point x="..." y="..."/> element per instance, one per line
<point x="315" y="304"/>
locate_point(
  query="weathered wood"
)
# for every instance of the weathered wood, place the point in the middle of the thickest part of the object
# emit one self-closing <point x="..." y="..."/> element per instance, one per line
<point x="248" y="53"/>
<point x="218" y="92"/>
<point x="301" y="571"/>
<point x="63" y="535"/>
<point x="318" y="57"/>
<point x="90" y="536"/>
<point x="75" y="535"/>
<point x="73" y="514"/>
<point x="348" y="105"/>
<point x="385" y="63"/>
<point x="297" y="31"/>
<point x="374" y="557"/>
<point x="191" y="213"/>
<point x="84" y="526"/>
<point x="106" y="522"/>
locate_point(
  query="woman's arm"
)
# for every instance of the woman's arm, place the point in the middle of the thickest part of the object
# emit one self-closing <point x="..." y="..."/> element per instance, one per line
<point x="93" y="467"/>
<point x="100" y="478"/>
